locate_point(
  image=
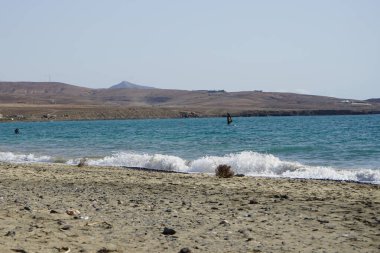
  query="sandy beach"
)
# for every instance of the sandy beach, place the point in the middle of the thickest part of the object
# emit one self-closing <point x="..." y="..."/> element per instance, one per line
<point x="60" y="208"/>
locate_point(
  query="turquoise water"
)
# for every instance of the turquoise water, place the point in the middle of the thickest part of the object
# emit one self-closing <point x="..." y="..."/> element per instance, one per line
<point x="335" y="147"/>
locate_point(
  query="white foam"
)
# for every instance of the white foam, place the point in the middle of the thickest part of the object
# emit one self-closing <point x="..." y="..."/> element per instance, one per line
<point x="23" y="158"/>
<point x="248" y="163"/>
<point x="256" y="164"/>
<point x="156" y="161"/>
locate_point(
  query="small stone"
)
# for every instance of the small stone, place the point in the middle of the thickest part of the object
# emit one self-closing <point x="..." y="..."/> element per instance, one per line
<point x="168" y="231"/>
<point x="185" y="250"/>
<point x="73" y="212"/>
<point x="66" y="227"/>
<point x="104" y="250"/>
<point x="53" y="211"/>
<point x="27" y="208"/>
<point x="322" y="221"/>
<point x="253" y="201"/>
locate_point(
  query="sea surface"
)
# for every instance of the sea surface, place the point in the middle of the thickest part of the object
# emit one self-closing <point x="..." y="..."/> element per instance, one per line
<point x="320" y="147"/>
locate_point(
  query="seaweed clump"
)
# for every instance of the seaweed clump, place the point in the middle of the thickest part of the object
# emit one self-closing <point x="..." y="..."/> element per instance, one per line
<point x="224" y="171"/>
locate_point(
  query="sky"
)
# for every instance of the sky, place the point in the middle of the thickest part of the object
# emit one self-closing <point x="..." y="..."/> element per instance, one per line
<point x="324" y="47"/>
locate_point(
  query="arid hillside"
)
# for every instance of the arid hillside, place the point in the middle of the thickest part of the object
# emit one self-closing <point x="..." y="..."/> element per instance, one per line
<point x="46" y="100"/>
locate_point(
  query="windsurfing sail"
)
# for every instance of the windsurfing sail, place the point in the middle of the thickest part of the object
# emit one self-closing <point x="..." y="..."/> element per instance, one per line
<point x="229" y="118"/>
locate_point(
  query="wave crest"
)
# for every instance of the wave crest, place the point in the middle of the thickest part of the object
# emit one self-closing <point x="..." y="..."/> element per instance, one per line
<point x="23" y="158"/>
<point x="247" y="162"/>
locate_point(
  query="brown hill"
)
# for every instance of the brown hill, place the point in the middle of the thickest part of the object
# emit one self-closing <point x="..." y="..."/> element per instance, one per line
<point x="167" y="103"/>
<point x="42" y="93"/>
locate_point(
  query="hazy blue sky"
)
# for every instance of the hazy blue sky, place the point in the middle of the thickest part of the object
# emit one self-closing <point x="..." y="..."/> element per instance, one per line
<point x="319" y="47"/>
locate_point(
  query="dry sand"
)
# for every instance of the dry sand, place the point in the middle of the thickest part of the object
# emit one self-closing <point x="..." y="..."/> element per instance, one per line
<point x="123" y="210"/>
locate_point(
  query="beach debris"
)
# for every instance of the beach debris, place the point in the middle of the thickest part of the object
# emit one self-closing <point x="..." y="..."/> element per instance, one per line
<point x="67" y="249"/>
<point x="27" y="208"/>
<point x="168" y="231"/>
<point x="53" y="211"/>
<point x="239" y="175"/>
<point x="82" y="162"/>
<point x="63" y="249"/>
<point x="224" y="222"/>
<point x="82" y="217"/>
<point x="185" y="250"/>
<point x="224" y="171"/>
<point x="72" y="212"/>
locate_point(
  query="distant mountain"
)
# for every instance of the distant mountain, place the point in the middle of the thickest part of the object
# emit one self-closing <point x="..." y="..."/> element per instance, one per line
<point x="206" y="102"/>
<point x="43" y="92"/>
<point x="129" y="85"/>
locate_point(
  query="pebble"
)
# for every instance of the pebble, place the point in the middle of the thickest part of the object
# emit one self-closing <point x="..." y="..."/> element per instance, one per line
<point x="73" y="212"/>
<point x="66" y="227"/>
<point x="253" y="201"/>
<point x="185" y="250"/>
<point x="168" y="231"/>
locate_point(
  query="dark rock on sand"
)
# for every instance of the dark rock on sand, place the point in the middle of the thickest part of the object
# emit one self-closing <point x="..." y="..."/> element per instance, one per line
<point x="253" y="201"/>
<point x="10" y="233"/>
<point x="185" y="250"/>
<point x="168" y="231"/>
<point x="66" y="227"/>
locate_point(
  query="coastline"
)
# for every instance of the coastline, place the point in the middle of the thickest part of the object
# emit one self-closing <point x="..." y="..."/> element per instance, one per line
<point x="127" y="210"/>
<point x="43" y="113"/>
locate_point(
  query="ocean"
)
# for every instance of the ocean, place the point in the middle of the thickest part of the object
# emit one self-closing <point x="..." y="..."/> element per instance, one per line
<point x="318" y="147"/>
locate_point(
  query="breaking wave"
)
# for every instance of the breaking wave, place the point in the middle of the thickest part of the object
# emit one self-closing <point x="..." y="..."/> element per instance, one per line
<point x="10" y="157"/>
<point x="247" y="162"/>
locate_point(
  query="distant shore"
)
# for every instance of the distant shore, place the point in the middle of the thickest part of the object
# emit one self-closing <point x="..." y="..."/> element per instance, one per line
<point x="61" y="208"/>
<point x="27" y="112"/>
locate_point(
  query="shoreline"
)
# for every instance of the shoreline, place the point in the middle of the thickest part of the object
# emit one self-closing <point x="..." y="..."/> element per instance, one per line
<point x="46" y="113"/>
<point x="126" y="210"/>
<point x="149" y="170"/>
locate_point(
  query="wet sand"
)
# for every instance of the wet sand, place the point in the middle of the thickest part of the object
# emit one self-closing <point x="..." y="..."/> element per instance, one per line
<point x="124" y="210"/>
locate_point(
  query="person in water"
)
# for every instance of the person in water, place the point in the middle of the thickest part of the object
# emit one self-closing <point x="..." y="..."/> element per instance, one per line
<point x="17" y="131"/>
<point x="229" y="118"/>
